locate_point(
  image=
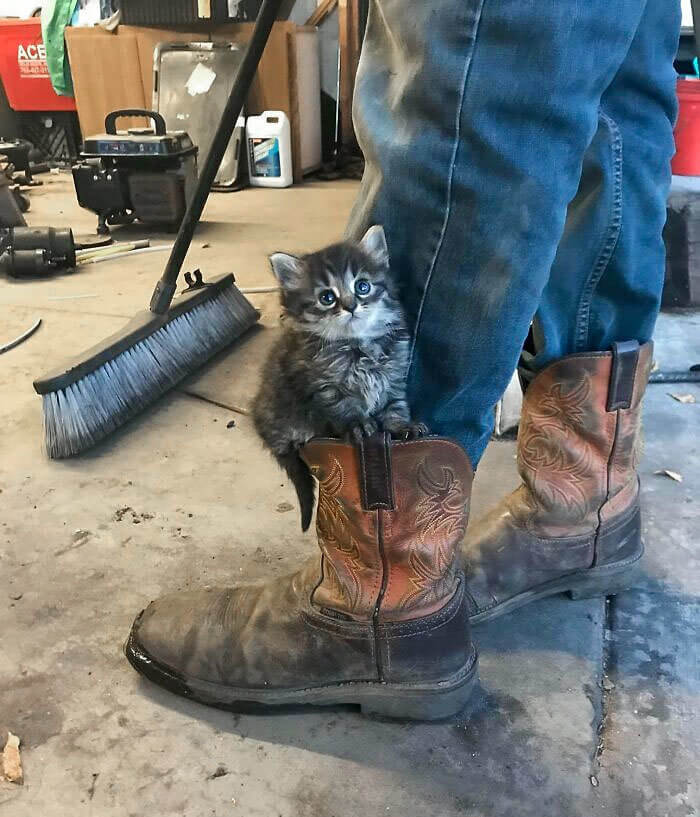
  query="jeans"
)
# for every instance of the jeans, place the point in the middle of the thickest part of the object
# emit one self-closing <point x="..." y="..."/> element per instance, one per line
<point x="517" y="155"/>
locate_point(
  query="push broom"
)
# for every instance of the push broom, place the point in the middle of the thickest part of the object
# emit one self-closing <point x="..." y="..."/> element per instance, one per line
<point x="89" y="397"/>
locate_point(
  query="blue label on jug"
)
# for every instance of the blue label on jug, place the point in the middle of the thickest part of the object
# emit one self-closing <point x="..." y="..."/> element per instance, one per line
<point x="264" y="157"/>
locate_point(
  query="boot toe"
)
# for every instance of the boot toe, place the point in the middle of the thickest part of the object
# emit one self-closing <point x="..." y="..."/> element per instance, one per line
<point x="170" y="632"/>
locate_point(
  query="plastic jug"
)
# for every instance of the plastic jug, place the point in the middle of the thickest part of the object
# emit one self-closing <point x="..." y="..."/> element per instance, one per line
<point x="269" y="143"/>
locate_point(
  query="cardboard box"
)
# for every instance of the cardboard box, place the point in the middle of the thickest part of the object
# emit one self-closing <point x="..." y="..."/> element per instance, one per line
<point x="106" y="76"/>
<point x="115" y="70"/>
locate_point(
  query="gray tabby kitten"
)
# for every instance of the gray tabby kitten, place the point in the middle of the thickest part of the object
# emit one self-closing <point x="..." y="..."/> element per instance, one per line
<point x="340" y="365"/>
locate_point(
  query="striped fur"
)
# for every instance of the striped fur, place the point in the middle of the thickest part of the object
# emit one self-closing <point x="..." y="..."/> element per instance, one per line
<point x="337" y="368"/>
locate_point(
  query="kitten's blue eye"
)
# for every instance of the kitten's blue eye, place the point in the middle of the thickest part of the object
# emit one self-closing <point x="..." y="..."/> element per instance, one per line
<point x="327" y="297"/>
<point x="362" y="287"/>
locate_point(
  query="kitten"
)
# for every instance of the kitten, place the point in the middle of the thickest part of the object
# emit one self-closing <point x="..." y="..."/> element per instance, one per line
<point x="340" y="365"/>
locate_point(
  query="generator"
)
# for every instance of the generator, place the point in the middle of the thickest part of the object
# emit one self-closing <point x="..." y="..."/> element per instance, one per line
<point x="144" y="174"/>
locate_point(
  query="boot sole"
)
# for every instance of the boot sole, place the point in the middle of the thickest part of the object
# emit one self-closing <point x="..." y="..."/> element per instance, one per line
<point x="423" y="702"/>
<point x="606" y="580"/>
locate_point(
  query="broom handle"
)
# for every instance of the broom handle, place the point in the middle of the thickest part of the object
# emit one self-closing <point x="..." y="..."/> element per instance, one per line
<point x="165" y="288"/>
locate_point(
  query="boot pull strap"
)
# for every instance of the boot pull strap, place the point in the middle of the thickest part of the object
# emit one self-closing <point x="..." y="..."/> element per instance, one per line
<point x="376" y="482"/>
<point x="622" y="375"/>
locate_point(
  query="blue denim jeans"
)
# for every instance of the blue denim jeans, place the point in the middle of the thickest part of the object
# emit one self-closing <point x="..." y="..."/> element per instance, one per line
<point x="517" y="154"/>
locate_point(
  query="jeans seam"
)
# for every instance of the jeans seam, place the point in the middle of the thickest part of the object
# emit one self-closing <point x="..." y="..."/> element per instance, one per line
<point x="583" y="313"/>
<point x="453" y="160"/>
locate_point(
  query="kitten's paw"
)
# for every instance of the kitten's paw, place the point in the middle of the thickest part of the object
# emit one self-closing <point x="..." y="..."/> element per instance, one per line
<point x="365" y="428"/>
<point x="408" y="431"/>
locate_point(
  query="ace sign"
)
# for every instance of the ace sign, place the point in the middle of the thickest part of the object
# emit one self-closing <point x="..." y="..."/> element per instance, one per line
<point x="31" y="60"/>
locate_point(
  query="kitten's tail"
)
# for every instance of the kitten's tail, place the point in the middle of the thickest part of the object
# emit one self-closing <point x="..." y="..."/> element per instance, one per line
<point x="303" y="481"/>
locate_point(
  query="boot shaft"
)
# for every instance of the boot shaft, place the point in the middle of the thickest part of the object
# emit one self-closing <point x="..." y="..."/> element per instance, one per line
<point x="579" y="440"/>
<point x="390" y="518"/>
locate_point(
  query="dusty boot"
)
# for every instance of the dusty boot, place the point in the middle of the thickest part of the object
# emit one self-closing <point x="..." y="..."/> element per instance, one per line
<point x="574" y="523"/>
<point x="379" y="620"/>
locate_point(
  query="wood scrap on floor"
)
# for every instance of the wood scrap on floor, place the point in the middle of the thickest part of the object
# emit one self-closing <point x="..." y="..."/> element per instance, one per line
<point x="674" y="475"/>
<point x="682" y="398"/>
<point x="11" y="770"/>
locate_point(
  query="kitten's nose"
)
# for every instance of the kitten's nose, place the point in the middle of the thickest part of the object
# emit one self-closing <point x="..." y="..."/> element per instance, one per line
<point x="349" y="305"/>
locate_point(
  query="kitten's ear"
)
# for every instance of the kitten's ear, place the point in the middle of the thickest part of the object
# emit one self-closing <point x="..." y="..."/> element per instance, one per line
<point x="373" y="242"/>
<point x="287" y="269"/>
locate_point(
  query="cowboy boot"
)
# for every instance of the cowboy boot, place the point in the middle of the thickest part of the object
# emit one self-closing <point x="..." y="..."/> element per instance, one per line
<point x="379" y="620"/>
<point x="573" y="525"/>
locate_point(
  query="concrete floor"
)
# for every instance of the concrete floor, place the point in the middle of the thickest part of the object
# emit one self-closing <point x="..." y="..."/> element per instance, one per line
<point x="585" y="708"/>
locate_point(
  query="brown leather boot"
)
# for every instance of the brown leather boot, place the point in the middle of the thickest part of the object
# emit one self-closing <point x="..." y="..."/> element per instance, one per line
<point x="574" y="523"/>
<point x="380" y="620"/>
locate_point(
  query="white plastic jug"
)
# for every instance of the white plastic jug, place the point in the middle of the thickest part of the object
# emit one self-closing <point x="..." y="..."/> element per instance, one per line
<point x="269" y="143"/>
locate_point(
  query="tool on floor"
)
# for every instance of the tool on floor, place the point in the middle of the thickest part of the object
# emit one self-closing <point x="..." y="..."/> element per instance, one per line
<point x="12" y="203"/>
<point x="36" y="251"/>
<point x="144" y="174"/>
<point x="92" y="255"/>
<point x="136" y="248"/>
<point x="691" y="375"/>
<point x="91" y="241"/>
<point x="87" y="399"/>
<point x="18" y="154"/>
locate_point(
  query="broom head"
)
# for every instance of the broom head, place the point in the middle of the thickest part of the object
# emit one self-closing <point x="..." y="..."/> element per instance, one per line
<point x="91" y="396"/>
